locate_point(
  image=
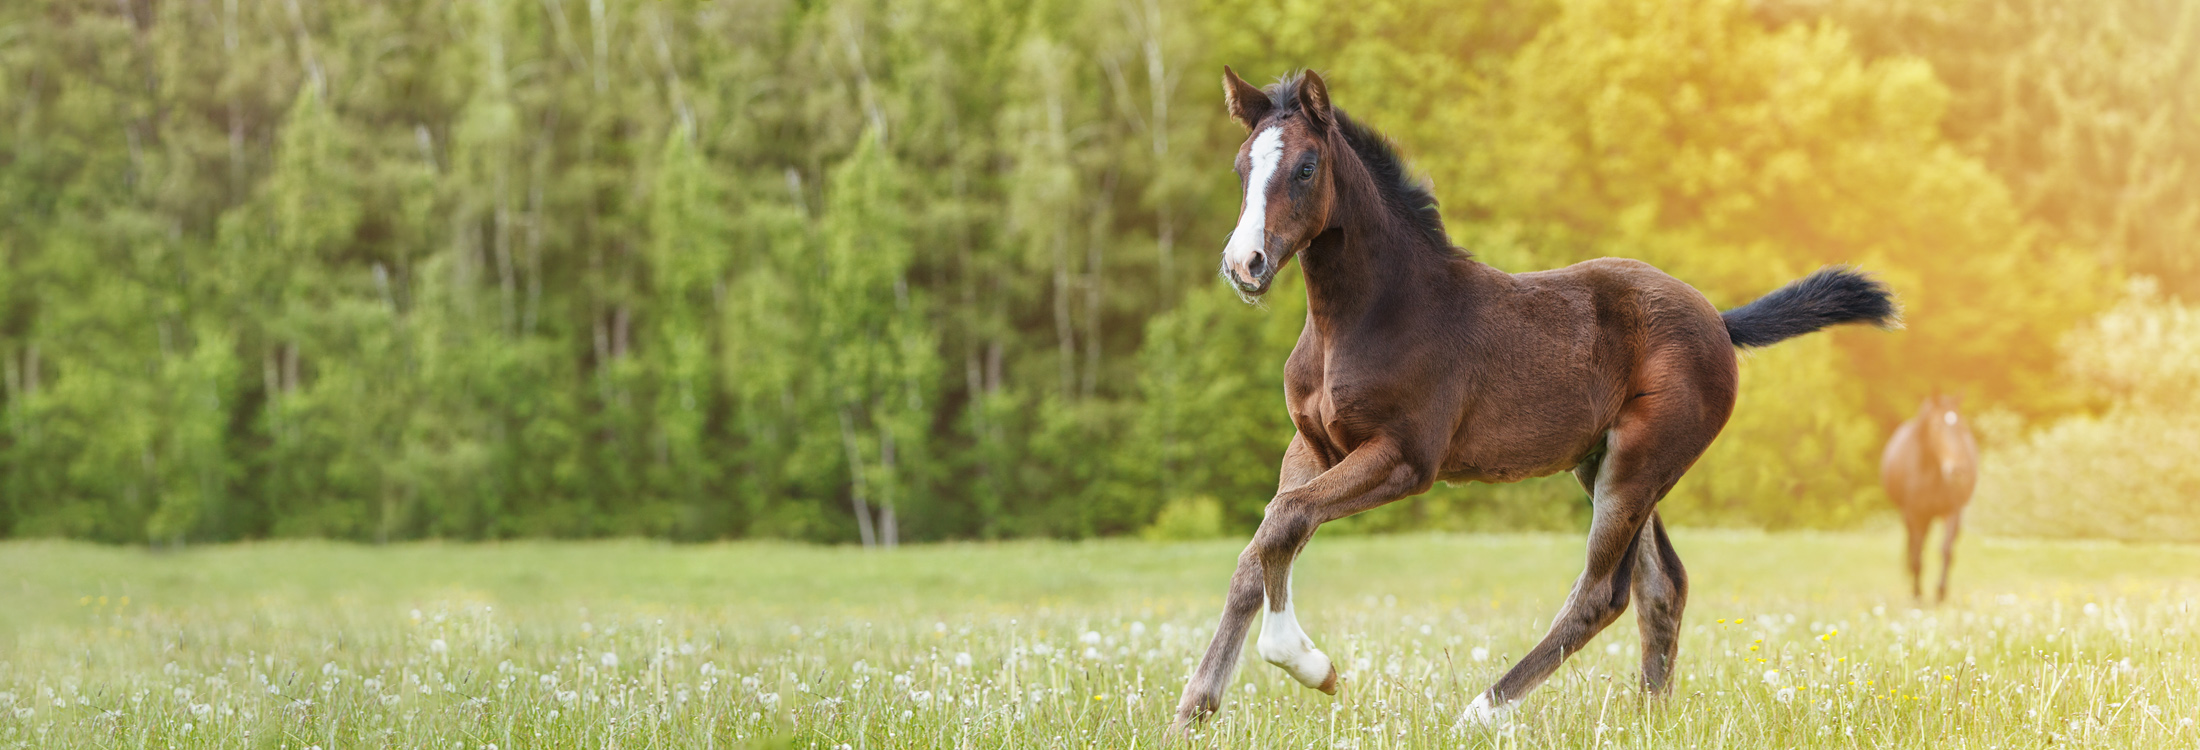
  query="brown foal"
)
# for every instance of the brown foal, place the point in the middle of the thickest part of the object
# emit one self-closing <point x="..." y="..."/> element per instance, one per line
<point x="1928" y="470"/>
<point x="1418" y="363"/>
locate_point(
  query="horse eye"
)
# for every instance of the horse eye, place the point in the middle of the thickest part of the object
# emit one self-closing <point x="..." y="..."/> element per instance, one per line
<point x="1306" y="172"/>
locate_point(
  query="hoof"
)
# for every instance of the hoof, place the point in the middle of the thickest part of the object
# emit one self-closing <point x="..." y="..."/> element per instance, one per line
<point x="1191" y="712"/>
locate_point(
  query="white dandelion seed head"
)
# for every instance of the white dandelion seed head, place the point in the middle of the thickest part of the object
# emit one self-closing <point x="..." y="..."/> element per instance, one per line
<point x="610" y="659"/>
<point x="437" y="646"/>
<point x="962" y="659"/>
<point x="1090" y="638"/>
<point x="1772" y="676"/>
<point x="1479" y="654"/>
<point x="1786" y="695"/>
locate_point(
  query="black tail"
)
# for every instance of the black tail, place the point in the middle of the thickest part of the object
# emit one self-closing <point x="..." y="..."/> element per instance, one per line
<point x="1832" y="296"/>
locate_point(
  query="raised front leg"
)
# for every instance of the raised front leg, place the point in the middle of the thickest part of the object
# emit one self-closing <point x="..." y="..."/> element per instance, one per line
<point x="1369" y="477"/>
<point x="1948" y="550"/>
<point x="1203" y="693"/>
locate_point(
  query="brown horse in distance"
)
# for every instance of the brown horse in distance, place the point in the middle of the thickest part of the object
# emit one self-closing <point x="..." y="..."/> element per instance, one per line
<point x="1418" y="363"/>
<point x="1929" y="468"/>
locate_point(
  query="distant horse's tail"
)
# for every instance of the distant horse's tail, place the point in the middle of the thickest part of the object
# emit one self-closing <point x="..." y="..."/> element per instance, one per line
<point x="1832" y="296"/>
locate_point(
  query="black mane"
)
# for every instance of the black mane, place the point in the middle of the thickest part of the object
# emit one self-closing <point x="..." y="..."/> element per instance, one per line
<point x="1407" y="198"/>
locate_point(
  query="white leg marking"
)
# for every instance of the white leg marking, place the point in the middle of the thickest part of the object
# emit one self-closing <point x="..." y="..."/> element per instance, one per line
<point x="1283" y="644"/>
<point x="1483" y="713"/>
<point x="1252" y="229"/>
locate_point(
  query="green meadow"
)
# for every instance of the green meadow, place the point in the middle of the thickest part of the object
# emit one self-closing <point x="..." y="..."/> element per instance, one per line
<point x="1792" y="640"/>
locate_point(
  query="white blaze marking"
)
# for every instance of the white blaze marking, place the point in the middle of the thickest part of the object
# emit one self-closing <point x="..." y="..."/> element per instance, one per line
<point x="1948" y="463"/>
<point x="1251" y="232"/>
<point x="1283" y="644"/>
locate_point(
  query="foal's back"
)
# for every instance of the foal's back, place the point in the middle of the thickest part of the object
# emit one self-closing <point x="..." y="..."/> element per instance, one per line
<point x="1559" y="354"/>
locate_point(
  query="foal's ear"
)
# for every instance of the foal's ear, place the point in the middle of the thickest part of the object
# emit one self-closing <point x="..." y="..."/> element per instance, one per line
<point x="1314" y="100"/>
<point x="1246" y="102"/>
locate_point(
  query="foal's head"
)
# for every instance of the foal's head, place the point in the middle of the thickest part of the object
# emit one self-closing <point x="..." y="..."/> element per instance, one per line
<point x="1287" y="167"/>
<point x="1944" y="431"/>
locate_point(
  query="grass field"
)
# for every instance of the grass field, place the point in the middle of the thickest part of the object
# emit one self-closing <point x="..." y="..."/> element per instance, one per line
<point x="1792" y="640"/>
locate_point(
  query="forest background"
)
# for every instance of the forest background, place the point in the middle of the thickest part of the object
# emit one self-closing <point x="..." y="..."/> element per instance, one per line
<point x="935" y="269"/>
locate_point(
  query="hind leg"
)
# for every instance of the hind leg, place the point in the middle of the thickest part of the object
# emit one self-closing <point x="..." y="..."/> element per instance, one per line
<point x="1948" y="550"/>
<point x="1914" y="525"/>
<point x="1656" y="440"/>
<point x="1661" y="592"/>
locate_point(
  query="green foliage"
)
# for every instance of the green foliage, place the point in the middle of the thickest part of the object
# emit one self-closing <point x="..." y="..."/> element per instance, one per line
<point x="1186" y="518"/>
<point x="940" y="269"/>
<point x="1738" y="157"/>
<point x="2089" y="111"/>
<point x="2126" y="473"/>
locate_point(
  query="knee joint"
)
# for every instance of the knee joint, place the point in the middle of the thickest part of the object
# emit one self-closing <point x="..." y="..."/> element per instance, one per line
<point x="1282" y="532"/>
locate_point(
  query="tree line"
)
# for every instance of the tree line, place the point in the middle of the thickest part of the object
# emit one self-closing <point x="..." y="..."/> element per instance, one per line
<point x="865" y="271"/>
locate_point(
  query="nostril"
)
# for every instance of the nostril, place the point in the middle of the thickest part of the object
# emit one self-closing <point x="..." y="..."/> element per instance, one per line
<point x="1258" y="266"/>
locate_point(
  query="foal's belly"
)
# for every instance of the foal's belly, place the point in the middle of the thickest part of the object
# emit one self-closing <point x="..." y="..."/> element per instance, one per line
<point x="1513" y="447"/>
<point x="1500" y="469"/>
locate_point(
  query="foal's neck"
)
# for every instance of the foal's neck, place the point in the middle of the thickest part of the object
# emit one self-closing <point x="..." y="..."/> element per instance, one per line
<point x="1372" y="261"/>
